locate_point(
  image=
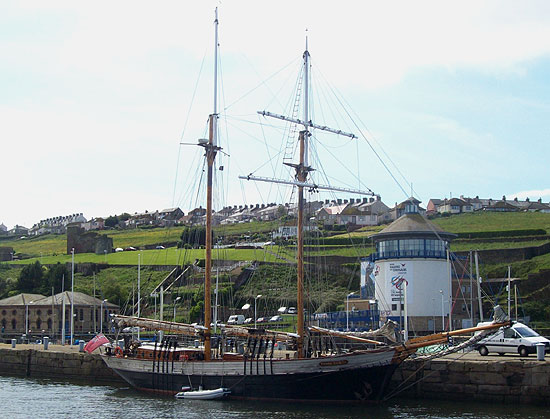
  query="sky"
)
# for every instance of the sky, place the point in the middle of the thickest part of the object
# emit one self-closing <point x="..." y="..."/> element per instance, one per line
<point x="447" y="99"/>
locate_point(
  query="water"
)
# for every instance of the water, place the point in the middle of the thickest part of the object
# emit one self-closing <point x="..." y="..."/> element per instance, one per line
<point x="40" y="398"/>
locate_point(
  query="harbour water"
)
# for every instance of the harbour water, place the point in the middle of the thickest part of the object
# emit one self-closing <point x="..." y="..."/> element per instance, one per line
<point x="30" y="397"/>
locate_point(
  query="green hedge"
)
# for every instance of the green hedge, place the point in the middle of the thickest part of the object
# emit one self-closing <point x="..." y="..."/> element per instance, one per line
<point x="504" y="233"/>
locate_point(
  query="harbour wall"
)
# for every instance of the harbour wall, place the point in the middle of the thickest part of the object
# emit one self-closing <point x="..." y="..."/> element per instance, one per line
<point x="63" y="364"/>
<point x="511" y="380"/>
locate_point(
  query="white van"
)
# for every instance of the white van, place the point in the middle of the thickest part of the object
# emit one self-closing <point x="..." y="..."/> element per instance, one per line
<point x="517" y="339"/>
<point x="236" y="319"/>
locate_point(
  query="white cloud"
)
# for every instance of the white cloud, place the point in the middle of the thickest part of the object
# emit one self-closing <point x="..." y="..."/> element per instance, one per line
<point x="532" y="195"/>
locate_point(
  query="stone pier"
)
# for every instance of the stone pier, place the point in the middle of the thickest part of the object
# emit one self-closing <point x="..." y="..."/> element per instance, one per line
<point x="506" y="379"/>
<point x="56" y="362"/>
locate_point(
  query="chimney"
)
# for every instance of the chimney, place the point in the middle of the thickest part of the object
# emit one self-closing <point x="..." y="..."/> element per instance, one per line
<point x="540" y="200"/>
<point x="504" y="197"/>
<point x="526" y="199"/>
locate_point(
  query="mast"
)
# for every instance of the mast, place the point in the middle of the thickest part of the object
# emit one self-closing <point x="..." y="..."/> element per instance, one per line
<point x="301" y="176"/>
<point x="302" y="169"/>
<point x="211" y="150"/>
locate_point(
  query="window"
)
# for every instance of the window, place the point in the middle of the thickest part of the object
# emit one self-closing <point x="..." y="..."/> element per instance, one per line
<point x="13" y="324"/>
<point x="50" y="312"/>
<point x="394" y="307"/>
<point x="81" y="314"/>
<point x="50" y="324"/>
<point x="14" y="312"/>
<point x="3" y="312"/>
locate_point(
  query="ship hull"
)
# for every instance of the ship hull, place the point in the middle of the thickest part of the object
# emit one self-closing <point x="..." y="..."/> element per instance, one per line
<point x="346" y="378"/>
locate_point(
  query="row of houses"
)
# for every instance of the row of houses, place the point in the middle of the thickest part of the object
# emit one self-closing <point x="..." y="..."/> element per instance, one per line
<point x="354" y="211"/>
<point x="464" y="205"/>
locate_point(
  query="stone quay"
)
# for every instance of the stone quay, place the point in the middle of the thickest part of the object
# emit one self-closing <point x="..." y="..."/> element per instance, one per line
<point x="507" y="379"/>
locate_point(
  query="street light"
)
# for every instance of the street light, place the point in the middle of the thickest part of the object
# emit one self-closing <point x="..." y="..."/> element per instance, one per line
<point x="442" y="312"/>
<point x="256" y="299"/>
<point x="347" y="310"/>
<point x="175" y="302"/>
<point x="433" y="315"/>
<point x="101" y="317"/>
<point x="27" y="318"/>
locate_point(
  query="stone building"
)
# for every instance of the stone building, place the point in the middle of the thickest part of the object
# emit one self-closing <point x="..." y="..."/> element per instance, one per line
<point x="44" y="314"/>
<point x="6" y="253"/>
<point x="83" y="241"/>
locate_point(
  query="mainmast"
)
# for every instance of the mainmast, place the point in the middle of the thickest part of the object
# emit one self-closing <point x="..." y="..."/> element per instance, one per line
<point x="211" y="148"/>
<point x="302" y="169"/>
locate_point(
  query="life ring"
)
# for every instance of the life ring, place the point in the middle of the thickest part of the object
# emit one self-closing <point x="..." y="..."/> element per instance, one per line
<point x="118" y="352"/>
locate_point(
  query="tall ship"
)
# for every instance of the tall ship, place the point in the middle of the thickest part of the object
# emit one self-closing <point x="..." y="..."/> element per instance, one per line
<point x="246" y="362"/>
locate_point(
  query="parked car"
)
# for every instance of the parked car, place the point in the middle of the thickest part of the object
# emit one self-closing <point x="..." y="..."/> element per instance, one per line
<point x="159" y="247"/>
<point x="518" y="338"/>
<point x="292" y="310"/>
<point x="261" y="319"/>
<point x="119" y="249"/>
<point x="248" y="320"/>
<point x="276" y="319"/>
<point x="236" y="319"/>
<point x="129" y="249"/>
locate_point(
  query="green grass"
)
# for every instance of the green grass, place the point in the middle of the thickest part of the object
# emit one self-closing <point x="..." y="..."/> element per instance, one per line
<point x="461" y="246"/>
<point x="169" y="256"/>
<point x="493" y="221"/>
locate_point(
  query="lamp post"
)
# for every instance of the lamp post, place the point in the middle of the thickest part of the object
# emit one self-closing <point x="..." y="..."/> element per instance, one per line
<point x="72" y="296"/>
<point x="175" y="302"/>
<point x="442" y="312"/>
<point x="101" y="317"/>
<point x="433" y="316"/>
<point x="256" y="299"/>
<point x="347" y="309"/>
<point x="27" y="319"/>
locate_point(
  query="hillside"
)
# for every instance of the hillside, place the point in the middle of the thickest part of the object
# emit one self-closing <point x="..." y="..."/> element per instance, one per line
<point x="478" y="231"/>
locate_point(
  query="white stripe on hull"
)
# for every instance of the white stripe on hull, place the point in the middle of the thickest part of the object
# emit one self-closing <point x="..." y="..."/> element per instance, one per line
<point x="256" y="366"/>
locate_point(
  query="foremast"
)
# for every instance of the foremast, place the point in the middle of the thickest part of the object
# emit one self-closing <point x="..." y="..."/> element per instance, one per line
<point x="211" y="148"/>
<point x="302" y="170"/>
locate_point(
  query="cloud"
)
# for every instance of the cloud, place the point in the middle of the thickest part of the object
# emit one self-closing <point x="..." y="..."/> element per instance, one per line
<point x="533" y="194"/>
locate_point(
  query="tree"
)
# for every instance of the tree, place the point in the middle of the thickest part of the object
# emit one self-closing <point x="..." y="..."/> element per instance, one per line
<point x="194" y="236"/>
<point x="54" y="278"/>
<point x="31" y="277"/>
<point x="111" y="221"/>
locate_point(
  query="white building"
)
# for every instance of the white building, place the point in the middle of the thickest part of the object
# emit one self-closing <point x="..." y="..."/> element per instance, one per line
<point x="411" y="255"/>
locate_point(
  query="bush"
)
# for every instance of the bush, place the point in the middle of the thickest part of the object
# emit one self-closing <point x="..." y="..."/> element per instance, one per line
<point x="504" y="233"/>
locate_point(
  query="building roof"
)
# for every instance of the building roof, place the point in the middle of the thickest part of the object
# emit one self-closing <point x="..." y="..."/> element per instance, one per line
<point x="412" y="225"/>
<point x="335" y="209"/>
<point x="80" y="299"/>
<point x="21" y="299"/>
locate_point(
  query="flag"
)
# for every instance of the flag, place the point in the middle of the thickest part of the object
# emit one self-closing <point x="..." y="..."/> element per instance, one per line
<point x="95" y="343"/>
